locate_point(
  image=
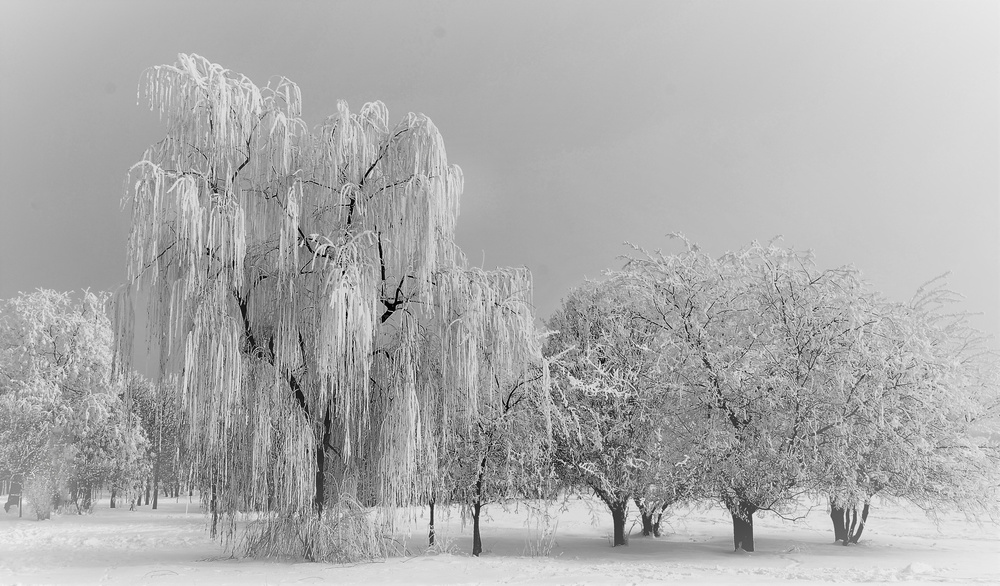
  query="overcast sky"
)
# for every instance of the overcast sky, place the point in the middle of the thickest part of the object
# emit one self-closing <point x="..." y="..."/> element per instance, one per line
<point x="865" y="131"/>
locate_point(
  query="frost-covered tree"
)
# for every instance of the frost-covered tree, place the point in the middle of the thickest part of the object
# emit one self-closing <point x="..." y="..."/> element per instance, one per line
<point x="615" y="410"/>
<point x="913" y="421"/>
<point x="290" y="274"/>
<point x="504" y="454"/>
<point x="64" y="428"/>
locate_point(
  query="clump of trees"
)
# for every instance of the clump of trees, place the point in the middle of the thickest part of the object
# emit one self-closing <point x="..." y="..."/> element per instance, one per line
<point x="756" y="377"/>
<point x="65" y="428"/>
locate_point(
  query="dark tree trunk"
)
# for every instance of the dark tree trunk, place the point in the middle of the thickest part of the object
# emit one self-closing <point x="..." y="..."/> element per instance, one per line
<point x="839" y="517"/>
<point x="647" y="523"/>
<point x="320" y="498"/>
<point x="619" y="512"/>
<point x="651" y="517"/>
<point x="430" y="532"/>
<point x="857" y="528"/>
<point x="742" y="525"/>
<point x="148" y="490"/>
<point x="477" y="540"/>
<point x="114" y="493"/>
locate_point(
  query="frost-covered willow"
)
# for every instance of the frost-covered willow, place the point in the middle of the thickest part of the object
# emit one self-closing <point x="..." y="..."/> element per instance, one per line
<point x="292" y="276"/>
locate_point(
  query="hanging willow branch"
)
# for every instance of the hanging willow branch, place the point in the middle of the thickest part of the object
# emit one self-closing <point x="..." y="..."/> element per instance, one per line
<point x="290" y="274"/>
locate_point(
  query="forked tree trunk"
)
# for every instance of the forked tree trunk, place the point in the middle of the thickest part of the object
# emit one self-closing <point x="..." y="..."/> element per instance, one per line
<point x="742" y="514"/>
<point x="847" y="525"/>
<point x="477" y="540"/>
<point x="430" y="532"/>
<point x="651" y="517"/>
<point x="857" y="526"/>
<point x="647" y="523"/>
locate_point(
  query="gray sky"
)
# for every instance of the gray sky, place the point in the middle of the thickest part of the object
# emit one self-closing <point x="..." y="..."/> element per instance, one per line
<point x="865" y="131"/>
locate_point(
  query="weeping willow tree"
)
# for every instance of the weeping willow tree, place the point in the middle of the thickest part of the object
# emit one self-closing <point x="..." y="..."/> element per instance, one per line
<point x="290" y="277"/>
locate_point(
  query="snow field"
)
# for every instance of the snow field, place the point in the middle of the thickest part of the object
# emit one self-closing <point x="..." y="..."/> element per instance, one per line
<point x="171" y="546"/>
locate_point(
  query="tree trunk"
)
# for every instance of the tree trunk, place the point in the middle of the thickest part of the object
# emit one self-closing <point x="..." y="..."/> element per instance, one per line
<point x="839" y="517"/>
<point x="146" y="502"/>
<point x="619" y="512"/>
<point x="430" y="533"/>
<point x="14" y="496"/>
<point x="215" y="513"/>
<point x="742" y="525"/>
<point x="477" y="540"/>
<point x="156" y="481"/>
<point x="857" y="528"/>
<point x="647" y="523"/>
<point x="88" y="498"/>
<point x="320" y="497"/>
<point x="114" y="493"/>
<point x="651" y="517"/>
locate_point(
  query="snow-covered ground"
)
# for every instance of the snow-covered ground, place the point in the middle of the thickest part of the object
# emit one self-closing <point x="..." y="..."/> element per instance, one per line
<point x="171" y="546"/>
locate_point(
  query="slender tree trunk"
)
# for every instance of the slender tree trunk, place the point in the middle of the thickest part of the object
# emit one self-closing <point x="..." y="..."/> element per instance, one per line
<point x="215" y="513"/>
<point x="148" y="490"/>
<point x="88" y="498"/>
<point x="742" y="514"/>
<point x="477" y="540"/>
<point x="156" y="481"/>
<point x="114" y="493"/>
<point x="430" y="533"/>
<point x="14" y="494"/>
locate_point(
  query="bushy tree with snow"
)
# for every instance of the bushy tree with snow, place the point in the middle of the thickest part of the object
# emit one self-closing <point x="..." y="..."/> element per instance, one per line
<point x="290" y="275"/>
<point x="912" y="421"/>
<point x="65" y="429"/>
<point x="615" y="426"/>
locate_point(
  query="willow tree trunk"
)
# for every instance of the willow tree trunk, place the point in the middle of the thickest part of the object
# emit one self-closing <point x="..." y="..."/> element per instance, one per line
<point x="742" y="525"/>
<point x="430" y="532"/>
<point x="320" y="498"/>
